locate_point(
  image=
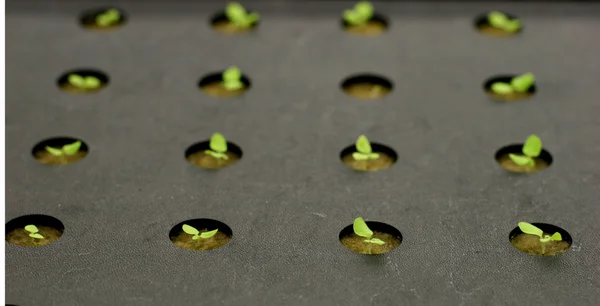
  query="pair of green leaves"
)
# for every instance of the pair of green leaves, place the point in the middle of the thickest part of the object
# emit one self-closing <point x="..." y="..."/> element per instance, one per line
<point x="531" y="149"/>
<point x="517" y="84"/>
<point x="361" y="229"/>
<point x="197" y="235"/>
<point x="531" y="229"/>
<point x="88" y="82"/>
<point x="238" y="15"/>
<point x="107" y="18"/>
<point x="360" y="14"/>
<point x="365" y="152"/>
<point x="232" y="78"/>
<point x="501" y="21"/>
<point x="33" y="231"/>
<point x="68" y="149"/>
<point x="218" y="147"/>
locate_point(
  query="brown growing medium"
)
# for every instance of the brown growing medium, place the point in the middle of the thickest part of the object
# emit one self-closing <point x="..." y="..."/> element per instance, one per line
<point x="515" y="96"/>
<point x="492" y="31"/>
<point x="74" y="89"/>
<point x="357" y="243"/>
<point x="227" y="27"/>
<point x="20" y="236"/>
<point x="366" y="90"/>
<point x="508" y="164"/>
<point x="218" y="90"/>
<point x="383" y="162"/>
<point x="372" y="28"/>
<point x="531" y="244"/>
<point x="45" y="157"/>
<point x="204" y="160"/>
<point x="185" y="241"/>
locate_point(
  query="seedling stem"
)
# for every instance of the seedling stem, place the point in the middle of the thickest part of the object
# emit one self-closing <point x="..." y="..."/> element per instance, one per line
<point x="531" y="229"/>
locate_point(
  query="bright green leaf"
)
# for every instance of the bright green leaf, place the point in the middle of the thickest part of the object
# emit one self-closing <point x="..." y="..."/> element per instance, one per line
<point x="54" y="151"/>
<point x="31" y="228"/>
<point x="363" y="145"/>
<point x="360" y="156"/>
<point x="206" y="235"/>
<point x="232" y="74"/>
<point x="190" y="230"/>
<point x="522" y="82"/>
<point x="218" y="143"/>
<point x="72" y="148"/>
<point x="361" y="229"/>
<point x="364" y="9"/>
<point x="373" y="156"/>
<point x="91" y="82"/>
<point x="252" y="18"/>
<point x="375" y="241"/>
<point x="501" y="88"/>
<point x="532" y="146"/>
<point x="497" y="19"/>
<point x="103" y="20"/>
<point x="352" y="18"/>
<point x="519" y="159"/>
<point x="512" y="26"/>
<point x="556" y="237"/>
<point x="36" y="235"/>
<point x="235" y="11"/>
<point x="233" y="85"/>
<point x="76" y="80"/>
<point x="530" y="229"/>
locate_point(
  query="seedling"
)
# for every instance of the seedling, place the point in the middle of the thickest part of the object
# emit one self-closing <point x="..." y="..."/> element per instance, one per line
<point x="218" y="147"/>
<point x="361" y="229"/>
<point x="196" y="233"/>
<point x="359" y="15"/>
<point x="34" y="232"/>
<point x="107" y="18"/>
<point x="533" y="230"/>
<point x="232" y="79"/>
<point x="531" y="149"/>
<point x="501" y="21"/>
<point x="518" y="84"/>
<point x="88" y="82"/>
<point x="238" y="15"/>
<point x="66" y="150"/>
<point x="365" y="152"/>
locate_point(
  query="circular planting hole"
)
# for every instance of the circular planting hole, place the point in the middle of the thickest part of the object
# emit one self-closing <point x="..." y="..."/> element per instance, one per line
<point x="235" y="19"/>
<point x="195" y="238"/>
<point x="106" y="18"/>
<point x="385" y="232"/>
<point x="498" y="24"/>
<point x="367" y="86"/>
<point x="380" y="156"/>
<point x="82" y="81"/>
<point x="33" y="230"/>
<point x="376" y="25"/>
<point x="543" y="161"/>
<point x="228" y="83"/>
<point x="510" y="87"/>
<point x="197" y="155"/>
<point x="531" y="244"/>
<point x="60" y="151"/>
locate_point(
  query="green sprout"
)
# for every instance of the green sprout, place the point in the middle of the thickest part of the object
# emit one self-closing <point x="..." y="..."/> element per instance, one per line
<point x="88" y="82"/>
<point x="501" y="21"/>
<point x="364" y="149"/>
<point x="238" y="15"/>
<point x="361" y="229"/>
<point x="531" y="149"/>
<point x="232" y="79"/>
<point x="196" y="233"/>
<point x="359" y="15"/>
<point x="68" y="149"/>
<point x="533" y="230"/>
<point x="218" y="147"/>
<point x="519" y="84"/>
<point x="107" y="18"/>
<point x="34" y="232"/>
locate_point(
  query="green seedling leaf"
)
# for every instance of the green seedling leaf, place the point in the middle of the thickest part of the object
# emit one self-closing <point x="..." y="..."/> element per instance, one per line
<point x="235" y="11"/>
<point x="36" y="235"/>
<point x="32" y="229"/>
<point x="361" y="229"/>
<point x="252" y="18"/>
<point x="232" y="74"/>
<point x="360" y="156"/>
<point x="520" y="160"/>
<point x="103" y="20"/>
<point x="72" y="148"/>
<point x="76" y="80"/>
<point x="375" y="241"/>
<point x="206" y="235"/>
<point x="218" y="143"/>
<point x="363" y="145"/>
<point x="91" y="82"/>
<point x="556" y="237"/>
<point x="217" y="155"/>
<point x="497" y="19"/>
<point x="530" y="229"/>
<point x="190" y="230"/>
<point x="374" y="156"/>
<point x="352" y="18"/>
<point x="364" y="9"/>
<point x="532" y="146"/>
<point x="54" y="151"/>
<point x="501" y="88"/>
<point x="233" y="85"/>
<point x="512" y="26"/>
<point x="522" y="82"/>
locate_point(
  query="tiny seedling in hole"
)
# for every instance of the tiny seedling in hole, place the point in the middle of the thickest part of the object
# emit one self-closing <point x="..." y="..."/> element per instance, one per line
<point x="107" y="18"/>
<point x="363" y="146"/>
<point x="196" y="233"/>
<point x="531" y="149"/>
<point x="361" y="229"/>
<point x="232" y="79"/>
<point x="34" y="232"/>
<point x="88" y="82"/>
<point x="533" y="230"/>
<point x="519" y="84"/>
<point x="68" y="149"/>
<point x="218" y="147"/>
<point x="501" y="21"/>
<point x="238" y="15"/>
<point x="360" y="14"/>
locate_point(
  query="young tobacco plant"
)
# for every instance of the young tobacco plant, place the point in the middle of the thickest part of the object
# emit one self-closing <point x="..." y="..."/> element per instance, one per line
<point x="531" y="149"/>
<point x="531" y="229"/>
<point x="364" y="150"/>
<point x="238" y="15"/>
<point x="34" y="232"/>
<point x="232" y="79"/>
<point x="66" y="150"/>
<point x="218" y="147"/>
<point x="107" y="18"/>
<point x="196" y="233"/>
<point x="501" y="21"/>
<point x="519" y="84"/>
<point x="359" y="15"/>
<point x="361" y="229"/>
<point x="88" y="82"/>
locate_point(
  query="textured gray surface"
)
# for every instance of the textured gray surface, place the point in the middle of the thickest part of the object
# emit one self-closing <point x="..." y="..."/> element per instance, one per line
<point x="290" y="195"/>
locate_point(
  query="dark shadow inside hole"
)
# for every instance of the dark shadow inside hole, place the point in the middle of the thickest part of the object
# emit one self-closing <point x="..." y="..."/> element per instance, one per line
<point x="37" y="220"/>
<point x="205" y="145"/>
<point x="518" y="149"/>
<point x="63" y="80"/>
<point x="375" y="147"/>
<point x="217" y="77"/>
<point x="58" y="142"/>
<point x="200" y="224"/>
<point x="547" y="228"/>
<point x="220" y="19"/>
<point x="375" y="227"/>
<point x="367" y="86"/>
<point x="375" y="19"/>
<point x="88" y="17"/>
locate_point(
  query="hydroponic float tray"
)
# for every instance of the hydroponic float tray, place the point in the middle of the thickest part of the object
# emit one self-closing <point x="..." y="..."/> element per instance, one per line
<point x="287" y="199"/>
